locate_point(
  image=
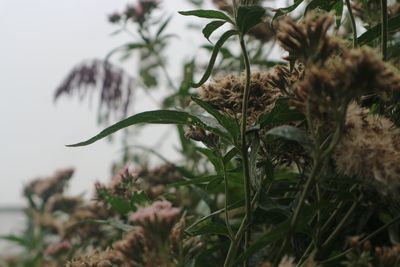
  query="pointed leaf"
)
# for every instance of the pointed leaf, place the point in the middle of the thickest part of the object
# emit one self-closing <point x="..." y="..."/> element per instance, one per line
<point x="248" y="17"/>
<point x="163" y="26"/>
<point x="155" y="117"/>
<point x="281" y="113"/>
<point x="291" y="133"/>
<point x="338" y="12"/>
<point x="375" y="32"/>
<point x="209" y="227"/>
<point x="214" y="55"/>
<point x="211" y="27"/>
<point x="286" y="10"/>
<point x="227" y="122"/>
<point x="208" y="14"/>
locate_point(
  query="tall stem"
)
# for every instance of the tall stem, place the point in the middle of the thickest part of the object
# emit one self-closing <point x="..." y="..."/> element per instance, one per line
<point x="353" y="23"/>
<point x="245" y="157"/>
<point x="384" y="29"/>
<point x="228" y="225"/>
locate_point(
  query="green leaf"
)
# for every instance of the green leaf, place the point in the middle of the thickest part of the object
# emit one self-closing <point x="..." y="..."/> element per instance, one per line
<point x="163" y="26"/>
<point x="126" y="48"/>
<point x="21" y="241"/>
<point x="281" y="113"/>
<point x="211" y="27"/>
<point x="208" y="14"/>
<point x="248" y="17"/>
<point x="214" y="55"/>
<point x="208" y="227"/>
<point x="212" y="157"/>
<point x="155" y="117"/>
<point x="230" y="155"/>
<point x="326" y="5"/>
<point x="291" y="133"/>
<point x="375" y="32"/>
<point x="117" y="203"/>
<point x="138" y="198"/>
<point x="254" y="148"/>
<point x="338" y="12"/>
<point x="198" y="180"/>
<point x="275" y="234"/>
<point x="227" y="122"/>
<point x="286" y="10"/>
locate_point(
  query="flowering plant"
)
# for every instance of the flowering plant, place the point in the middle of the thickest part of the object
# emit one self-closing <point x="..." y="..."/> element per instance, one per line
<point x="292" y="162"/>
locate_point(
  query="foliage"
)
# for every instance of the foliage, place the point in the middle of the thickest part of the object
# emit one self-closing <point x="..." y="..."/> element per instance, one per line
<point x="282" y="163"/>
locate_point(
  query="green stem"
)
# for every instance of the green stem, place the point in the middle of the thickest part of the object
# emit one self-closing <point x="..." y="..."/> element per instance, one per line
<point x="310" y="181"/>
<point x="244" y="149"/>
<point x="228" y="225"/>
<point x="353" y="23"/>
<point x="373" y="234"/>
<point x="341" y="224"/>
<point x="384" y="29"/>
<point x="238" y="237"/>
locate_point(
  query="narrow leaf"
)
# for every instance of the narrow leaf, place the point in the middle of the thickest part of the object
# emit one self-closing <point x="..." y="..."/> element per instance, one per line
<point x="281" y="113"/>
<point x="338" y="12"/>
<point x="248" y="17"/>
<point x="163" y="26"/>
<point x="375" y="32"/>
<point x="208" y="14"/>
<point x="214" y="55"/>
<point x="209" y="227"/>
<point x="211" y="27"/>
<point x="285" y="10"/>
<point x="228" y="123"/>
<point x="153" y="117"/>
<point x="291" y="133"/>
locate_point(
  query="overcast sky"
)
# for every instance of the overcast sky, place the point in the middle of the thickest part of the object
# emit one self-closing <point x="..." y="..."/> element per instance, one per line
<point x="41" y="41"/>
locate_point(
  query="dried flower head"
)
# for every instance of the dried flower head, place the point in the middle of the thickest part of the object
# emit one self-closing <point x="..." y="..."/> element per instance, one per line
<point x="57" y="248"/>
<point x="308" y="41"/>
<point x="108" y="258"/>
<point x="115" y="84"/>
<point x="369" y="148"/>
<point x="133" y="246"/>
<point x="327" y="89"/>
<point x="140" y="12"/>
<point x="59" y="202"/>
<point x="226" y="94"/>
<point x="46" y="187"/>
<point x="157" y="219"/>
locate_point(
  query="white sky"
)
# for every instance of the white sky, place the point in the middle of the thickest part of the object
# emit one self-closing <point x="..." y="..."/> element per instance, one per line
<point x="40" y="42"/>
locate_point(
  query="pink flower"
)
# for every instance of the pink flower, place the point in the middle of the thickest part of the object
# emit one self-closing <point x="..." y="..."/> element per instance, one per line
<point x="57" y="247"/>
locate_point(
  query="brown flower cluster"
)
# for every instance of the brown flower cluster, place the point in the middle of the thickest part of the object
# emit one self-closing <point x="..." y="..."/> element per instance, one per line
<point x="226" y="94"/>
<point x="370" y="147"/>
<point x="115" y="84"/>
<point x="43" y="188"/>
<point x="308" y="41"/>
<point x="107" y="258"/>
<point x="137" y="13"/>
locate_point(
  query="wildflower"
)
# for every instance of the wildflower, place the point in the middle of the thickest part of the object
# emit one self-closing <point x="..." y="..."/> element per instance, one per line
<point x="46" y="187"/>
<point x="115" y="84"/>
<point x="141" y="10"/>
<point x="107" y="258"/>
<point x="308" y="41"/>
<point x="226" y="94"/>
<point x="157" y="219"/>
<point x="133" y="246"/>
<point x="56" y="248"/>
<point x="63" y="203"/>
<point x="369" y="148"/>
<point x="114" y="17"/>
